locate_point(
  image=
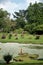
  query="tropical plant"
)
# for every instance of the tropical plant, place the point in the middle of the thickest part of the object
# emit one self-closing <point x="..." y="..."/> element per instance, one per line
<point x="7" y="58"/>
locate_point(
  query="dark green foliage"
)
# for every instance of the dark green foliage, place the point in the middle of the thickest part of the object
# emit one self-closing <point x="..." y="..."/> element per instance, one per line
<point x="30" y="20"/>
<point x="20" y="18"/>
<point x="38" y="29"/>
<point x="34" y="13"/>
<point x="20" y="30"/>
<point x="34" y="18"/>
<point x="37" y="37"/>
<point x="7" y="58"/>
<point x="30" y="28"/>
<point x="10" y="35"/>
<point x="16" y="36"/>
<point x="3" y="16"/>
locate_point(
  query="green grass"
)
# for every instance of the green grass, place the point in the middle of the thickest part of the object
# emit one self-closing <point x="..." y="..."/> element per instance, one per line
<point x="26" y="39"/>
<point x="22" y="63"/>
<point x="26" y="58"/>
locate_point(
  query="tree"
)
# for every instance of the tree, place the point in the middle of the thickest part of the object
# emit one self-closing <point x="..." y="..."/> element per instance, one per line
<point x="34" y="17"/>
<point x="6" y="24"/>
<point x="34" y="13"/>
<point x="3" y="16"/>
<point x="30" y="28"/>
<point x="7" y="58"/>
<point x="20" y="18"/>
<point x="38" y="29"/>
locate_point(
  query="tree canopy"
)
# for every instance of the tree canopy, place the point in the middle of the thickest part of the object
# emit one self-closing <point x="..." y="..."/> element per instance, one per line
<point x="30" y="20"/>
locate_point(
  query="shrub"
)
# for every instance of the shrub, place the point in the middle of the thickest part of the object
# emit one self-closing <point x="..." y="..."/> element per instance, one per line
<point x="28" y="28"/>
<point x="19" y="31"/>
<point x="37" y="37"/>
<point x="10" y="35"/>
<point x="20" y="60"/>
<point x="23" y="32"/>
<point x="22" y="35"/>
<point x="3" y="36"/>
<point x="34" y="56"/>
<point x="15" y="34"/>
<point x="7" y="58"/>
<point x="16" y="38"/>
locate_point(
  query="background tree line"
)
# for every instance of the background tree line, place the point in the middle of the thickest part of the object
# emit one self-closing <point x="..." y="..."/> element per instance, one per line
<point x="30" y="20"/>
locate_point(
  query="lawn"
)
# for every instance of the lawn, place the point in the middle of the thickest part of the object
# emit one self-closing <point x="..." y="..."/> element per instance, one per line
<point x="26" y="61"/>
<point x="22" y="64"/>
<point x="27" y="38"/>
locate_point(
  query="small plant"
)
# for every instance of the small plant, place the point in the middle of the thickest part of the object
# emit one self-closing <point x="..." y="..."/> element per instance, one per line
<point x="15" y="34"/>
<point x="37" y="37"/>
<point x="34" y="56"/>
<point x="22" y="35"/>
<point x="7" y="58"/>
<point x="19" y="31"/>
<point x="3" y="36"/>
<point x="23" y="32"/>
<point x="16" y="38"/>
<point x="10" y="35"/>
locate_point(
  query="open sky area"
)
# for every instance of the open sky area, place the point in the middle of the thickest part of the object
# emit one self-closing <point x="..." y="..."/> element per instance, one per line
<point x="15" y="5"/>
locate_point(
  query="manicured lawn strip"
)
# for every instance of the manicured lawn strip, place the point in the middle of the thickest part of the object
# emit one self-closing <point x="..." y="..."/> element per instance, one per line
<point x="22" y="64"/>
<point x="26" y="39"/>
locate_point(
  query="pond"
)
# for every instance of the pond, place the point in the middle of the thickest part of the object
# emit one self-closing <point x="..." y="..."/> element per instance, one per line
<point x="15" y="48"/>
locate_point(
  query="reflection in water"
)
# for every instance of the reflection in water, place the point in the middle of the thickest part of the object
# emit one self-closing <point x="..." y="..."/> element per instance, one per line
<point x="14" y="49"/>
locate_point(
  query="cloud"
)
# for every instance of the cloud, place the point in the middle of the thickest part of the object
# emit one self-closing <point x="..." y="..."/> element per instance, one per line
<point x="2" y="1"/>
<point x="31" y="1"/>
<point x="13" y="6"/>
<point x="9" y="6"/>
<point x="41" y="0"/>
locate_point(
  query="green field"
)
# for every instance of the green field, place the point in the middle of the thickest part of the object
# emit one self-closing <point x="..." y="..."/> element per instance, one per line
<point x="27" y="38"/>
<point x="22" y="64"/>
<point x="26" y="61"/>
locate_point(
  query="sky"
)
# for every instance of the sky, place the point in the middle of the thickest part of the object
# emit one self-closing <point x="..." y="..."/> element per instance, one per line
<point x="15" y="5"/>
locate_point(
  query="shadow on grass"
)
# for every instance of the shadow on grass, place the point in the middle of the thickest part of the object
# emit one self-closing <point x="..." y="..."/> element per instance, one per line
<point x="22" y="64"/>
